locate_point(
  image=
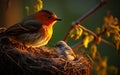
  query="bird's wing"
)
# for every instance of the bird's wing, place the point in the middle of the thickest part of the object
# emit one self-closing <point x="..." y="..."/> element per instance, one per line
<point x="24" y="27"/>
<point x="68" y="48"/>
<point x="70" y="51"/>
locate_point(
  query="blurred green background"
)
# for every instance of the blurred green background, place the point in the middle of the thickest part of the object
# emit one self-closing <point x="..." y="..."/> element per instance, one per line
<point x="70" y="11"/>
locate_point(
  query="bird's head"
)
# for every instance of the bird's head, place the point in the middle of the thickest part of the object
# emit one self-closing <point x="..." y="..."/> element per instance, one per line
<point x="61" y="44"/>
<point x="46" y="17"/>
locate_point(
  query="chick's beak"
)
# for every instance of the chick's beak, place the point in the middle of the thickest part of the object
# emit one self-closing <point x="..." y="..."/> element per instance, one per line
<point x="58" y="19"/>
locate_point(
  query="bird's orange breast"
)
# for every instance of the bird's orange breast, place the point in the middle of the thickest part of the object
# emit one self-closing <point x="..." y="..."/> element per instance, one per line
<point x="36" y="39"/>
<point x="46" y="32"/>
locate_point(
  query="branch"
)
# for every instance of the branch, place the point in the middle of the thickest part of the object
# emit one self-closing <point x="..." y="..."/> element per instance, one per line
<point x="76" y="46"/>
<point x="96" y="36"/>
<point x="84" y="17"/>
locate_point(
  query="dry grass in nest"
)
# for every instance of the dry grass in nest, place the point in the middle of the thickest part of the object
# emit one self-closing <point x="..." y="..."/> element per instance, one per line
<point x="42" y="60"/>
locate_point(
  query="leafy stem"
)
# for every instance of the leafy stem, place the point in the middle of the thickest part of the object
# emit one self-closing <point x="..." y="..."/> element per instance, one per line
<point x="84" y="17"/>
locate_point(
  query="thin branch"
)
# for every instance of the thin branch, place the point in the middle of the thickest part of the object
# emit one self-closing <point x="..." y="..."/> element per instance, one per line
<point x="106" y="27"/>
<point x="84" y="17"/>
<point x="96" y="36"/>
<point x="99" y="57"/>
<point x="79" y="44"/>
<point x="14" y="61"/>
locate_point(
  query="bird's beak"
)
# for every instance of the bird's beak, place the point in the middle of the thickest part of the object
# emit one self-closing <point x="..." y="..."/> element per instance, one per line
<point x="58" y="19"/>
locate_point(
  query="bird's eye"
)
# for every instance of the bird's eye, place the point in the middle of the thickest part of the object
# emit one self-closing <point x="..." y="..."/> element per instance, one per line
<point x="49" y="17"/>
<point x="59" y="45"/>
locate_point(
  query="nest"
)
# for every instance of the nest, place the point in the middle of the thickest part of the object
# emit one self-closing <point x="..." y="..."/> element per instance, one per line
<point x="17" y="59"/>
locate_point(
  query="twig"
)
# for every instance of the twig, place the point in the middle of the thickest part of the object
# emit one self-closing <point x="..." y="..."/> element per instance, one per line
<point x="79" y="44"/>
<point x="84" y="17"/>
<point x="13" y="61"/>
<point x="99" y="57"/>
<point x="76" y="46"/>
<point x="57" y="69"/>
<point x="96" y="36"/>
<point x="107" y="26"/>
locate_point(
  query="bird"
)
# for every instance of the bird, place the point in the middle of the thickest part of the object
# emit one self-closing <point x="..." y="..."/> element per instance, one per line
<point x="65" y="51"/>
<point x="35" y="31"/>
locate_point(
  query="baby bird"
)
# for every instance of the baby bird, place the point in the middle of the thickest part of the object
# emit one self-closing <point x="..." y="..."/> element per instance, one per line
<point x="65" y="51"/>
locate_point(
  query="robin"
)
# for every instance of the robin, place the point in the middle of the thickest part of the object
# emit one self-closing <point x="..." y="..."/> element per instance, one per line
<point x="35" y="31"/>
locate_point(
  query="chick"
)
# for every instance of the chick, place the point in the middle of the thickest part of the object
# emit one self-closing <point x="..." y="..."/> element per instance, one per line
<point x="65" y="51"/>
